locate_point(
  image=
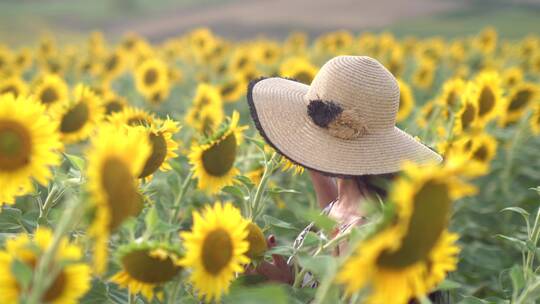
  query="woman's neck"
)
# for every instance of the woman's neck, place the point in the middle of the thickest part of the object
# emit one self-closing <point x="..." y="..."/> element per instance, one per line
<point x="349" y="194"/>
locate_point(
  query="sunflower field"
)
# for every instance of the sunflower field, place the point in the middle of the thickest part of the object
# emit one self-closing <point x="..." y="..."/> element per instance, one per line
<point x="131" y="172"/>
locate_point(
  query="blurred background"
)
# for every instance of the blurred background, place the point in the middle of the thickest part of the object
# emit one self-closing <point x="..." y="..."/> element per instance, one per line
<point x="23" y="21"/>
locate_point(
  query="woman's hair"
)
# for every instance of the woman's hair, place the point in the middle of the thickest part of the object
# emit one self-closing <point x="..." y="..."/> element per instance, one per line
<point x="378" y="185"/>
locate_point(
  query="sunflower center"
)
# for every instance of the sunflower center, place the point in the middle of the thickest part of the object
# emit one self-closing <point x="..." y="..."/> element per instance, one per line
<point x="49" y="95"/>
<point x="481" y="154"/>
<point x="123" y="199"/>
<point x="112" y="63"/>
<point x="204" y="101"/>
<point x="486" y="102"/>
<point x="217" y="251"/>
<point x="143" y="267"/>
<point x="10" y="89"/>
<point x="150" y="77"/>
<point x="75" y="118"/>
<point x="467" y="117"/>
<point x="113" y="106"/>
<point x="219" y="158"/>
<point x="304" y="77"/>
<point x="228" y="88"/>
<point x="520" y="100"/>
<point x="137" y="121"/>
<point x="15" y="146"/>
<point x="428" y="220"/>
<point x="56" y="289"/>
<point x="451" y="98"/>
<point x="159" y="152"/>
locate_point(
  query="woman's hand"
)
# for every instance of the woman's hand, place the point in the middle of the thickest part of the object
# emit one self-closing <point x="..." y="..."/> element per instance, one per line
<point x="277" y="270"/>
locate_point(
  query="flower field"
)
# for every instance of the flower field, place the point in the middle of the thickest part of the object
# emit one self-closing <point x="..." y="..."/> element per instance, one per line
<point x="131" y="172"/>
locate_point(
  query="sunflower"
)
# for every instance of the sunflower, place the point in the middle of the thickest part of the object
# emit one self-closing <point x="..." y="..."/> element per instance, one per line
<point x="466" y="118"/>
<point x="71" y="281"/>
<point x="451" y="92"/>
<point x="268" y="52"/>
<point x="241" y="61"/>
<point x="299" y="69"/>
<point x="113" y="103"/>
<point x="132" y="116"/>
<point x="233" y="89"/>
<point x="424" y="74"/>
<point x="164" y="147"/>
<point x="518" y="101"/>
<point x="13" y="85"/>
<point x="257" y="241"/>
<point x="152" y="79"/>
<point x="51" y="90"/>
<point x="486" y="41"/>
<point x="535" y="121"/>
<point x="487" y="96"/>
<point x="414" y="254"/>
<point x="406" y="101"/>
<point x="213" y="160"/>
<point x="145" y="268"/>
<point x="115" y="159"/>
<point x="113" y="65"/>
<point x="512" y="76"/>
<point x="287" y="165"/>
<point x="207" y="101"/>
<point x="80" y="116"/>
<point x="23" y="59"/>
<point x="28" y="146"/>
<point x="481" y="149"/>
<point x="216" y="249"/>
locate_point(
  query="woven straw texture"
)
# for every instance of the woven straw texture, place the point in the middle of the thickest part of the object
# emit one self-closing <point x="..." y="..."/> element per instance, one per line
<point x="367" y="93"/>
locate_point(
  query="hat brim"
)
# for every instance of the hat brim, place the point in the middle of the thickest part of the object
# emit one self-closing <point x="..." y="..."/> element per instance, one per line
<point x="279" y="110"/>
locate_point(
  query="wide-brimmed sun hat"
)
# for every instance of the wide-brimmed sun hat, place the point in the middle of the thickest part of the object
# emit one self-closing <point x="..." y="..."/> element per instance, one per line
<point x="343" y="124"/>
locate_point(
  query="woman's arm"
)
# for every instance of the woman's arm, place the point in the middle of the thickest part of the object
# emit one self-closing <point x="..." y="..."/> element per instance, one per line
<point x="325" y="188"/>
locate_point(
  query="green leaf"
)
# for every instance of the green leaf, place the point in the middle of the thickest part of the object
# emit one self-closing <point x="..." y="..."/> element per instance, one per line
<point x="519" y="244"/>
<point x="22" y="272"/>
<point x="267" y="294"/>
<point x="278" y="190"/>
<point x="322" y="221"/>
<point x="257" y="142"/>
<point x="280" y="250"/>
<point x="97" y="294"/>
<point x="10" y="219"/>
<point x="246" y="181"/>
<point x="234" y="191"/>
<point x="448" y="285"/>
<point x="76" y="161"/>
<point x="151" y="219"/>
<point x="472" y="300"/>
<point x="272" y="221"/>
<point x="311" y="239"/>
<point x="519" y="211"/>
<point x="318" y="265"/>
<point x="516" y="275"/>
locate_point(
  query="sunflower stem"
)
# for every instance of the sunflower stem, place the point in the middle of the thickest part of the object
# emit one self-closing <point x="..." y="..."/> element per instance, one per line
<point x="329" y="245"/>
<point x="510" y="156"/>
<point x="47" y="205"/>
<point x="268" y="168"/>
<point x="531" y="253"/>
<point x="44" y="275"/>
<point x="185" y="185"/>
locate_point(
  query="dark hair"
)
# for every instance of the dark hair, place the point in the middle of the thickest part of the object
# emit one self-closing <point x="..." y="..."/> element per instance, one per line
<point x="378" y="184"/>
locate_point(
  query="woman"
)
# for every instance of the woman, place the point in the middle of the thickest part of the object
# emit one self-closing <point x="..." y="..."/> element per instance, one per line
<point x="342" y="126"/>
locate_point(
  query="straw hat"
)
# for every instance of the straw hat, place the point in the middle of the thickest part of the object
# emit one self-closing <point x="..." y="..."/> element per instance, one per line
<point x="341" y="125"/>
